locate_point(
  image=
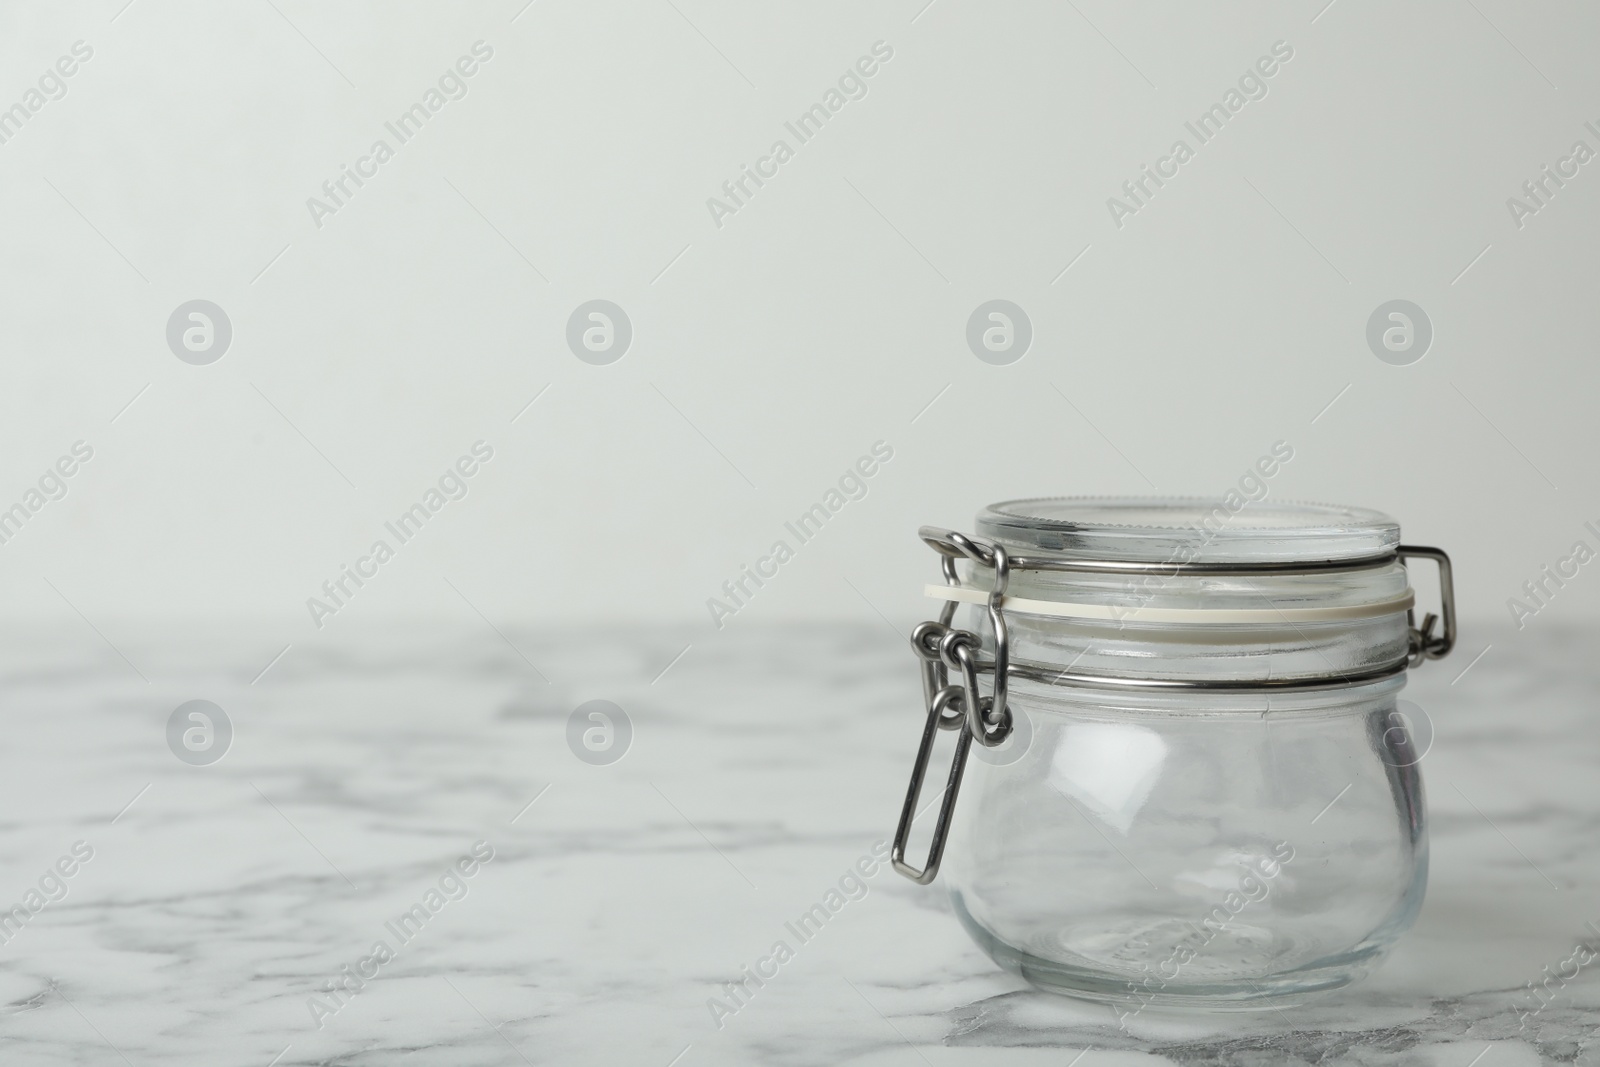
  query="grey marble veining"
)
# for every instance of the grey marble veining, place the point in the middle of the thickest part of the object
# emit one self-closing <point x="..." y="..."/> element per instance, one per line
<point x="764" y="763"/>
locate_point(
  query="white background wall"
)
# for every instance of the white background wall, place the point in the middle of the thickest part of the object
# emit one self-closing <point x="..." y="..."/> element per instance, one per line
<point x="772" y="351"/>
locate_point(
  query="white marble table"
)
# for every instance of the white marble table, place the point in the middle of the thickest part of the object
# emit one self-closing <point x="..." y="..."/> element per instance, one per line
<point x="764" y="763"/>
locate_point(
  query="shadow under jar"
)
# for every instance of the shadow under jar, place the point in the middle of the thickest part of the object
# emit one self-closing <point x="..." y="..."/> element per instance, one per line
<point x="1190" y="784"/>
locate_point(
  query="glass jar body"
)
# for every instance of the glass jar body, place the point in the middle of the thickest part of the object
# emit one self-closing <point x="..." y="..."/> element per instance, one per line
<point x="1208" y="850"/>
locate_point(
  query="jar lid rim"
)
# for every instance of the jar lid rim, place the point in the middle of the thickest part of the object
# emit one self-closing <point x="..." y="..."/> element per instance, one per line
<point x="1188" y="529"/>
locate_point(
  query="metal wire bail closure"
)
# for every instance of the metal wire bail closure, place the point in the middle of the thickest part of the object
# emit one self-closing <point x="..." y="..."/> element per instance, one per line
<point x="1423" y="644"/>
<point x="987" y="719"/>
<point x="962" y="706"/>
<point x="908" y="812"/>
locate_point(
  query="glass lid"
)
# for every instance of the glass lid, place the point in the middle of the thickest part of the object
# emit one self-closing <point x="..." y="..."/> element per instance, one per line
<point x="1187" y="529"/>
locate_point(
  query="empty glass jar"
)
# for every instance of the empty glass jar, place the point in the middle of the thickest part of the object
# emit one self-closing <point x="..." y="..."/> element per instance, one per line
<point x="1192" y="786"/>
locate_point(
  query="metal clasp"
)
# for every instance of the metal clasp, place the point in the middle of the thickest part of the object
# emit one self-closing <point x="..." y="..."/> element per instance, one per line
<point x="1424" y="645"/>
<point x="952" y="787"/>
<point x="988" y="718"/>
<point x="943" y="648"/>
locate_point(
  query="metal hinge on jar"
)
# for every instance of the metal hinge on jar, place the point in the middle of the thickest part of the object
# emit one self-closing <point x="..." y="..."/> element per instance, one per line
<point x="1423" y="644"/>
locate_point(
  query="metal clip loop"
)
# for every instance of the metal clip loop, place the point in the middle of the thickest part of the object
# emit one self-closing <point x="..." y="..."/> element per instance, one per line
<point x="1424" y="645"/>
<point x="988" y="722"/>
<point x="925" y="641"/>
<point x="908" y="813"/>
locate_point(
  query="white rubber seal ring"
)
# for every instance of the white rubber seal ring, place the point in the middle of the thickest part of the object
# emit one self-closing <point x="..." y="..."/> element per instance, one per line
<point x="1199" y="616"/>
